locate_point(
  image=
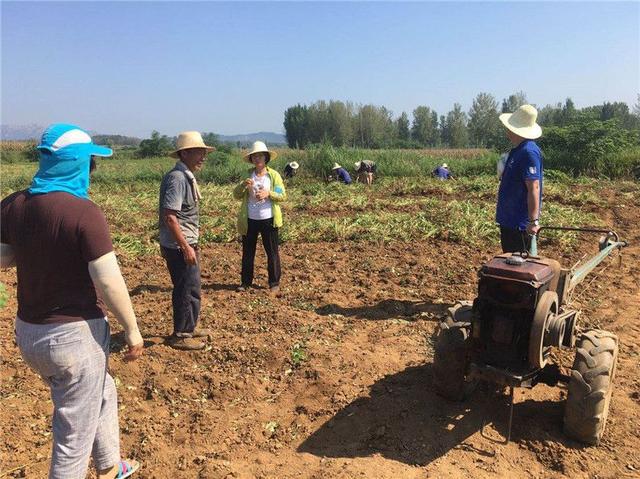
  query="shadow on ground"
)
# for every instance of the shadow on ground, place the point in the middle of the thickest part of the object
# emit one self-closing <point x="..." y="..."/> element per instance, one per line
<point x="118" y="343"/>
<point x="404" y="420"/>
<point x="387" y="309"/>
<point x="156" y="288"/>
<point x="219" y="286"/>
<point x="150" y="288"/>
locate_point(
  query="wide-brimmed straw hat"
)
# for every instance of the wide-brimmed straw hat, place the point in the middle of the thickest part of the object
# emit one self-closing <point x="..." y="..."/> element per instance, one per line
<point x="190" y="139"/>
<point x="336" y="166"/>
<point x="444" y="165"/>
<point x="294" y="165"/>
<point x="357" y="165"/>
<point x="522" y="122"/>
<point x="260" y="147"/>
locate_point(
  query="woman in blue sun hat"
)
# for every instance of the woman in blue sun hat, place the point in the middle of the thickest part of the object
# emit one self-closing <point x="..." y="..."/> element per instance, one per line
<point x="60" y="243"/>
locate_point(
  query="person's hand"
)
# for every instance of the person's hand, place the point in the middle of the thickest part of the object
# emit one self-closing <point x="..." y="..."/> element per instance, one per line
<point x="533" y="229"/>
<point x="135" y="342"/>
<point x="189" y="255"/>
<point x="134" y="352"/>
<point x="248" y="183"/>
<point x="262" y="195"/>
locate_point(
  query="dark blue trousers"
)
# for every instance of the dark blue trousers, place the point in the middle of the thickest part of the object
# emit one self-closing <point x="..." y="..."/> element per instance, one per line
<point x="186" y="291"/>
<point x="514" y="240"/>
<point x="269" y="236"/>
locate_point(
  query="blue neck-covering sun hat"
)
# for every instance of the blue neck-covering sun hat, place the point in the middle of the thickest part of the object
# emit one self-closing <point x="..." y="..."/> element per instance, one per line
<point x="65" y="157"/>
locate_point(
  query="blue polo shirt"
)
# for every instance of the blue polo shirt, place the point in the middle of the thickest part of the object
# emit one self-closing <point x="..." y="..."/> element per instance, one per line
<point x="523" y="163"/>
<point x="343" y="175"/>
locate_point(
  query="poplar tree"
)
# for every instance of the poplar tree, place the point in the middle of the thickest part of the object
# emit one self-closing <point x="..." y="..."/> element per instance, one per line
<point x="483" y="120"/>
<point x="402" y="127"/>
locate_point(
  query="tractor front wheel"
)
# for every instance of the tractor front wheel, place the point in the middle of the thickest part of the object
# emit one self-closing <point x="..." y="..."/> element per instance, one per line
<point x="450" y="362"/>
<point x="590" y="386"/>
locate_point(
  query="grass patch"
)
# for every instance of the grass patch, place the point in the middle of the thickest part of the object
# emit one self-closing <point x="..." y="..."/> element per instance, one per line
<point x="4" y="295"/>
<point x="298" y="354"/>
<point x="555" y="214"/>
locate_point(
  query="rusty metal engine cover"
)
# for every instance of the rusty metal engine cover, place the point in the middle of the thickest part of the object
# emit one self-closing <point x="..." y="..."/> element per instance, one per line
<point x="531" y="270"/>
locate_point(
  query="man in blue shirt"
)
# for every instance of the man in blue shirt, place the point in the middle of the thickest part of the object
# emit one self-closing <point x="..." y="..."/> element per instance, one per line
<point x="341" y="174"/>
<point x="520" y="193"/>
<point x="442" y="172"/>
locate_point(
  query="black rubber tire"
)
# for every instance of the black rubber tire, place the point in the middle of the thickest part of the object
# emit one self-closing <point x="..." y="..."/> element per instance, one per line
<point x="450" y="363"/>
<point x="591" y="386"/>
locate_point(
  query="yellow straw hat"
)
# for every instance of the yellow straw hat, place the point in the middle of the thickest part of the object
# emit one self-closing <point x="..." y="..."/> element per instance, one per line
<point x="190" y="139"/>
<point x="260" y="147"/>
<point x="336" y="166"/>
<point x="522" y="122"/>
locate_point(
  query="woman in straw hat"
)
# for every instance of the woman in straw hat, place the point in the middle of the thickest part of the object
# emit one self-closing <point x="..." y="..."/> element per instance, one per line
<point x="365" y="170"/>
<point x="291" y="169"/>
<point x="260" y="213"/>
<point x="520" y="193"/>
<point x="179" y="233"/>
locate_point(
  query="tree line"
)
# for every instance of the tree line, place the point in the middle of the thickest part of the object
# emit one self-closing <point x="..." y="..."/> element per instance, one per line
<point x="369" y="126"/>
<point x="574" y="139"/>
<point x="159" y="145"/>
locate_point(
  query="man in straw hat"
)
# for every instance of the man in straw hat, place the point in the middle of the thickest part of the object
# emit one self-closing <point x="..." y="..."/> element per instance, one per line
<point x="520" y="193"/>
<point x="67" y="271"/>
<point x="179" y="231"/>
<point x="291" y="169"/>
<point x="341" y="174"/>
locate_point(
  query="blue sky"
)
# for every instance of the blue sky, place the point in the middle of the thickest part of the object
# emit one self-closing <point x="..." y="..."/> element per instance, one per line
<point x="131" y="67"/>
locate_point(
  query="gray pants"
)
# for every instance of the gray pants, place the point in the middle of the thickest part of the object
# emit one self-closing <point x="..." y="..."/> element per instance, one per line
<point x="72" y="359"/>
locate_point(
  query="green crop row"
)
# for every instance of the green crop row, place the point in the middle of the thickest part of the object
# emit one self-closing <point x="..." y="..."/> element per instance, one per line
<point x="415" y="208"/>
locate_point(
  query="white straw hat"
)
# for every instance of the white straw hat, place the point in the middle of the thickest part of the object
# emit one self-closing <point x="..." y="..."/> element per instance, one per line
<point x="294" y="165"/>
<point x="444" y="165"/>
<point x="522" y="122"/>
<point x="190" y="139"/>
<point x="336" y="166"/>
<point x="260" y="147"/>
<point x="357" y="164"/>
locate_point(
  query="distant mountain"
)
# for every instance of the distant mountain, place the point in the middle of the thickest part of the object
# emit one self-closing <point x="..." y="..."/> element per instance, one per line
<point x="269" y="138"/>
<point x="34" y="131"/>
<point x="21" y="132"/>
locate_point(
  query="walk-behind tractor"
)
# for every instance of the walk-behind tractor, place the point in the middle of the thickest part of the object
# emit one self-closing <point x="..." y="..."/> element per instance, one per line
<point x="506" y="337"/>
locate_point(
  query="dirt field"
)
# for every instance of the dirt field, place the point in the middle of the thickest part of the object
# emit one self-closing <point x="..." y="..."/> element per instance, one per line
<point x="332" y="379"/>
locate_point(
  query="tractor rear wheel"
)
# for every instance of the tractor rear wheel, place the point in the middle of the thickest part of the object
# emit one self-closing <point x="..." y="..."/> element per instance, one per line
<point x="450" y="361"/>
<point x="590" y="386"/>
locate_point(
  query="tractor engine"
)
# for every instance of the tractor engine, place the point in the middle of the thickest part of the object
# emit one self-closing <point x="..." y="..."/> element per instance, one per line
<point x="509" y="291"/>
